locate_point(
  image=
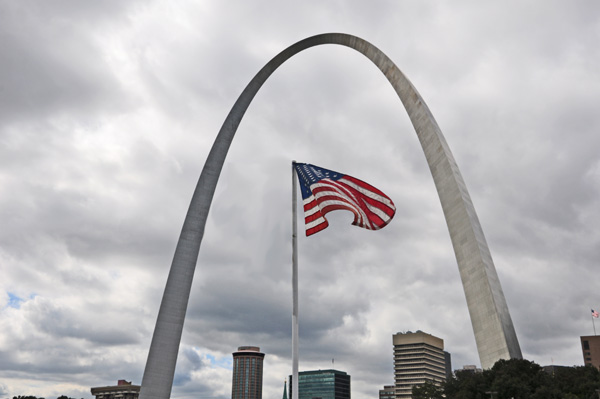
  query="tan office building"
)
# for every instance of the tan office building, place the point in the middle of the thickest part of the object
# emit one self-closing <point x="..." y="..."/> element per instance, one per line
<point x="418" y="357"/>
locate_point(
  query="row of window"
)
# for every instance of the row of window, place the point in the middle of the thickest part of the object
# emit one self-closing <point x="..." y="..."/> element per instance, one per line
<point x="419" y="371"/>
<point x="412" y="383"/>
<point x="421" y="345"/>
<point x="416" y="366"/>
<point x="406" y="378"/>
<point x="420" y="354"/>
<point x="417" y="361"/>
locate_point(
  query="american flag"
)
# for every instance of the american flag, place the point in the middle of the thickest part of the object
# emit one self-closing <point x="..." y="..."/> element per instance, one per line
<point x="595" y="314"/>
<point x="324" y="191"/>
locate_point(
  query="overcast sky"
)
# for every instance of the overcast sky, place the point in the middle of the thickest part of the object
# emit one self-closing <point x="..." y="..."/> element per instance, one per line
<point x="107" y="113"/>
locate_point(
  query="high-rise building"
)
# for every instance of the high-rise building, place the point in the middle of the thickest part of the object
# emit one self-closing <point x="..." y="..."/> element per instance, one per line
<point x="388" y="392"/>
<point x="590" y="347"/>
<point x="322" y="384"/>
<point x="418" y="357"/>
<point x="247" y="373"/>
<point x="448" y="363"/>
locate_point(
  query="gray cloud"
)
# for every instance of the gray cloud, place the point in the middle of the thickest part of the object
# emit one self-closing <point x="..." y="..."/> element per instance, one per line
<point x="52" y="63"/>
<point x="108" y="111"/>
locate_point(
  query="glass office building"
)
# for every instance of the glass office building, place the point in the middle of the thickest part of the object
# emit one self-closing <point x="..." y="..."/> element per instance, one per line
<point x="322" y="384"/>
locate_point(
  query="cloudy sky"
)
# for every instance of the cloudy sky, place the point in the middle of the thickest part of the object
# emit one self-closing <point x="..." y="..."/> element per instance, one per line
<point x="107" y="113"/>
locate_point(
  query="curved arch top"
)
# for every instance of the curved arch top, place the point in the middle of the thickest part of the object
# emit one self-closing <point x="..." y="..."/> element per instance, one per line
<point x="494" y="332"/>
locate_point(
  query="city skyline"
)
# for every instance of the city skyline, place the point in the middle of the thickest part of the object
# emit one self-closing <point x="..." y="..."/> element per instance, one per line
<point x="107" y="112"/>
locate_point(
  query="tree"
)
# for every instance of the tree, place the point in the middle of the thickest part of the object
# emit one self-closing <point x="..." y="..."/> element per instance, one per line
<point x="581" y="381"/>
<point x="517" y="378"/>
<point x="523" y="379"/>
<point x="467" y="385"/>
<point x="427" y="391"/>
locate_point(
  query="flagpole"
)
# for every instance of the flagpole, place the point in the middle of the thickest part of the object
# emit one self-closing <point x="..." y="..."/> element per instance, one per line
<point x="294" y="387"/>
<point x="593" y="323"/>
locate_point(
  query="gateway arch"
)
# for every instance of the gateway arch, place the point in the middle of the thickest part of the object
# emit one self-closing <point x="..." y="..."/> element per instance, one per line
<point x="494" y="331"/>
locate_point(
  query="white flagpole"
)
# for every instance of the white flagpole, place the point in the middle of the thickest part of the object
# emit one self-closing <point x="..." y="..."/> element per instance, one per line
<point x="295" y="391"/>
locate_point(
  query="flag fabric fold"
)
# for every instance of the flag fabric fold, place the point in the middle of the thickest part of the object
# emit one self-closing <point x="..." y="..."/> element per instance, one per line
<point x="595" y="313"/>
<point x="324" y="190"/>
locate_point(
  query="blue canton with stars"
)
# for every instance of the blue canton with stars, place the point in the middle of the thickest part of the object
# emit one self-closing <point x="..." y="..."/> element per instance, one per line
<point x="310" y="174"/>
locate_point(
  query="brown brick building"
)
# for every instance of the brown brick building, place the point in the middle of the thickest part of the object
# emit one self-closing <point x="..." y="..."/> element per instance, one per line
<point x="590" y="347"/>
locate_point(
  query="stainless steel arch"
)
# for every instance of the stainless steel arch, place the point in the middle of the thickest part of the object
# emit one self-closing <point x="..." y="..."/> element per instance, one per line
<point x="494" y="332"/>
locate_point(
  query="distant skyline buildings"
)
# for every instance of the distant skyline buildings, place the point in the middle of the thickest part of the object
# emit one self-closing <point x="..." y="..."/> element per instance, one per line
<point x="247" y="373"/>
<point x="388" y="392"/>
<point x="418" y="357"/>
<point x="322" y="384"/>
<point x="123" y="390"/>
<point x="470" y="368"/>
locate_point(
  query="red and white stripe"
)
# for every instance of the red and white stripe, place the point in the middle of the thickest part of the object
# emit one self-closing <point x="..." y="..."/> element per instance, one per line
<point x="372" y="209"/>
